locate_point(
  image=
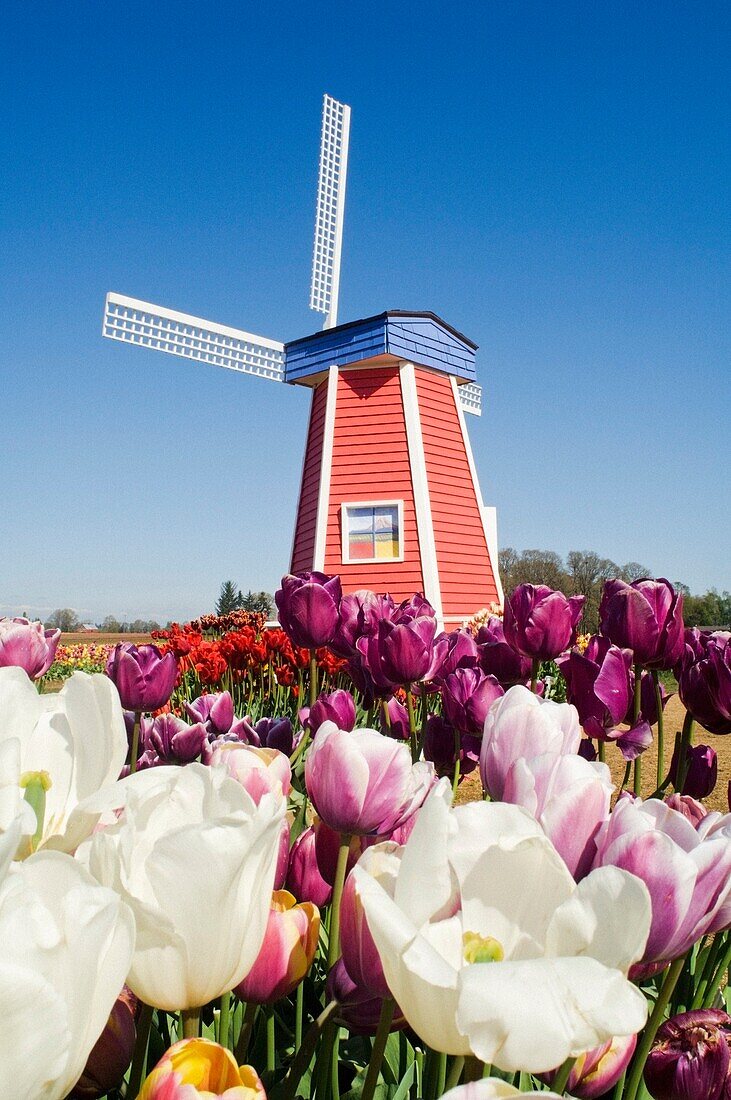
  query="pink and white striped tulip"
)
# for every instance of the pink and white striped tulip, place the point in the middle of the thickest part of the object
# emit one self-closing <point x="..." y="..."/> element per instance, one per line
<point x="362" y="782"/>
<point x="521" y="724"/>
<point x="27" y="645"/>
<point x="286" y="955"/>
<point x="259" y="771"/>
<point x="569" y="797"/>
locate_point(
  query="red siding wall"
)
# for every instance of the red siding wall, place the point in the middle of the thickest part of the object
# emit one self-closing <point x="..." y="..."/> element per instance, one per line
<point x="304" y="539"/>
<point x="371" y="462"/>
<point x="465" y="572"/>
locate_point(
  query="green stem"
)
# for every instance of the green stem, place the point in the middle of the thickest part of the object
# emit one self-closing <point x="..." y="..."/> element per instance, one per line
<point x="686" y="740"/>
<point x="455" y="1072"/>
<point x="225" y="1019"/>
<point x="299" y="1013"/>
<point x="441" y="1073"/>
<point x="313" y="678"/>
<point x="648" y="1035"/>
<point x="385" y="716"/>
<point x="413" y="735"/>
<point x="457" y="761"/>
<point x="242" y="1045"/>
<point x="718" y="974"/>
<point x="304" y="1055"/>
<point x="562" y="1077"/>
<point x="379" y="1048"/>
<point x="535" y="667"/>
<point x="660" y="729"/>
<point x="636" y="704"/>
<point x="134" y="752"/>
<point x="271" y="1042"/>
<point x="137" y="1073"/>
<point x="333" y="947"/>
<point x="601" y="751"/>
<point x="191" y="1018"/>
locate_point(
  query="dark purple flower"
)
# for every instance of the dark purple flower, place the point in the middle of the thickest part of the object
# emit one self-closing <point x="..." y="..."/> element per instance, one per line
<point x="303" y="874"/>
<point x="467" y="695"/>
<point x="539" y="622"/>
<point x="497" y="656"/>
<point x="646" y="617"/>
<point x="112" y="1053"/>
<point x="598" y="684"/>
<point x="416" y="607"/>
<point x="701" y="770"/>
<point x="360" y="614"/>
<point x="439" y="748"/>
<point x="267" y="733"/>
<point x="142" y="675"/>
<point x="172" y="740"/>
<point x="216" y="711"/>
<point x="337" y="706"/>
<point x="403" y="653"/>
<point x="398" y="720"/>
<point x="648" y="699"/>
<point x="704" y="679"/>
<point x="461" y="652"/>
<point x="308" y="605"/>
<point x="27" y="645"/>
<point x="358" y="1009"/>
<point x="691" y="1057"/>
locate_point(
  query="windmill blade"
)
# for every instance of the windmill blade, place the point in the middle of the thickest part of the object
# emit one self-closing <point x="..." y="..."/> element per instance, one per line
<point x="150" y="326"/>
<point x="470" y="398"/>
<point x="325" y="286"/>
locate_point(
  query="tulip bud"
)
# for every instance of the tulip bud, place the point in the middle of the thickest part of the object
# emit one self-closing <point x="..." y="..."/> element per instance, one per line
<point x="337" y="706"/>
<point x="308" y="608"/>
<point x="467" y="695"/>
<point x="646" y="617"/>
<point x="704" y="679"/>
<point x="541" y="623"/>
<point x="398" y="720"/>
<point x="169" y="740"/>
<point x="196" y="1068"/>
<point x="497" y="656"/>
<point x="112" y="1053"/>
<point x="596" y="1072"/>
<point x="701" y="770"/>
<point x="691" y="1057"/>
<point x="142" y="675"/>
<point x="286" y="955"/>
<point x="216" y="711"/>
<point x="303" y="875"/>
<point x="28" y="646"/>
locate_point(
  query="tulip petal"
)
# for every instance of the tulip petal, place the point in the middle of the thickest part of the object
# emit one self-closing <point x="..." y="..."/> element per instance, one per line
<point x="34" y="1038"/>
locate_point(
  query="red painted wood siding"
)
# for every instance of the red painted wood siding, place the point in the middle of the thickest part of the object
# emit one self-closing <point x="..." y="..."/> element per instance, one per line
<point x="371" y="462"/>
<point x="304" y="540"/>
<point x="465" y="573"/>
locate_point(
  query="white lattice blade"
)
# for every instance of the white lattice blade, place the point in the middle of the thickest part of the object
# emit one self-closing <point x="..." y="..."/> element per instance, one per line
<point x="470" y="398"/>
<point x="135" y="322"/>
<point x="330" y="212"/>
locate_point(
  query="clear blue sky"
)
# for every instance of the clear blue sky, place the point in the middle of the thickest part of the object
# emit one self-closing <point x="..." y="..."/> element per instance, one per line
<point x="551" y="178"/>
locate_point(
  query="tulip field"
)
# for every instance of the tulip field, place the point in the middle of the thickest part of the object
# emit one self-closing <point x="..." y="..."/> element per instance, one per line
<point x="359" y="857"/>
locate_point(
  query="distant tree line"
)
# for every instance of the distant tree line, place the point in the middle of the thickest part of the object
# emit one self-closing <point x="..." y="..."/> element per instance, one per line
<point x="584" y="573"/>
<point x="66" y="619"/>
<point x="231" y="598"/>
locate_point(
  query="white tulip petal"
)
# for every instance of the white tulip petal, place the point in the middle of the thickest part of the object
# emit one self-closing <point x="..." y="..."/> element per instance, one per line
<point x="424" y="859"/>
<point x="34" y="1038"/>
<point x="607" y="918"/>
<point x="492" y="1088"/>
<point x="20" y="704"/>
<point x="534" y="1015"/>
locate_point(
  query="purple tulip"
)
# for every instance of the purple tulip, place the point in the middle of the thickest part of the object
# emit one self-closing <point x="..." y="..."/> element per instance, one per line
<point x="337" y="706"/>
<point x="360" y="954"/>
<point x="112" y="1053"/>
<point x="596" y="1072"/>
<point x="461" y="652"/>
<point x="142" y="675"/>
<point x="308" y="605"/>
<point x="267" y="733"/>
<point x="467" y="695"/>
<point x="704" y="679"/>
<point x="362" y="782"/>
<point x="646" y="617"/>
<point x="521" y="724"/>
<point x="687" y="870"/>
<point x="691" y="1057"/>
<point x="358" y="1009"/>
<point x="416" y="607"/>
<point x="170" y="740"/>
<point x="398" y="720"/>
<point x="648" y="699"/>
<point x="691" y="809"/>
<point x="569" y="797"/>
<point x="360" y="614"/>
<point x="216" y="711"/>
<point x="598" y="684"/>
<point x="27" y="645"/>
<point x="303" y="873"/>
<point x="702" y="770"/>
<point x="403" y="653"/>
<point x="497" y="656"/>
<point x="539" y="622"/>
<point x="439" y="748"/>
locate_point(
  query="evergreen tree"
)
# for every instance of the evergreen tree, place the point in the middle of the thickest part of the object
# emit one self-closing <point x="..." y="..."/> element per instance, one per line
<point x="228" y="599"/>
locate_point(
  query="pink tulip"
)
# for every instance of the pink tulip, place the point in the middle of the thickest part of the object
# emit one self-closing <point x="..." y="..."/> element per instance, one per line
<point x="198" y="1069"/>
<point x="286" y="955"/>
<point x="259" y="771"/>
<point x="597" y="1071"/>
<point x="27" y="645"/>
<point x="304" y="879"/>
<point x="687" y="870"/>
<point x="520" y="724"/>
<point x="360" y="955"/>
<point x="570" y="798"/>
<point x="362" y="782"/>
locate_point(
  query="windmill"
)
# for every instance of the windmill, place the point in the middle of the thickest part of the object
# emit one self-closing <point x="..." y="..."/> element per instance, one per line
<point x="389" y="497"/>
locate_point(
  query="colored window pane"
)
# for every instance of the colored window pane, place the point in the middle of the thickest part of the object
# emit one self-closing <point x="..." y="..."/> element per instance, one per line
<point x="373" y="532"/>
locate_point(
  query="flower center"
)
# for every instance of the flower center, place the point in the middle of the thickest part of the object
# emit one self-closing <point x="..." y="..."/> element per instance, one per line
<point x="35" y="785"/>
<point x="481" y="949"/>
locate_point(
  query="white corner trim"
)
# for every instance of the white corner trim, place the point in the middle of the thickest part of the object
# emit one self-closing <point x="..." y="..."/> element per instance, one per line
<point x="478" y="494"/>
<point x="420" y="483"/>
<point x="323" y="496"/>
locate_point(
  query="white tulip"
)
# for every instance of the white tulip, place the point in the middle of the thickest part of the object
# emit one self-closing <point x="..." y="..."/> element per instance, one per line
<point x="492" y="1088"/>
<point x="490" y="947"/>
<point x="65" y="948"/>
<point x="73" y="742"/>
<point x="17" y="819"/>
<point x="194" y="858"/>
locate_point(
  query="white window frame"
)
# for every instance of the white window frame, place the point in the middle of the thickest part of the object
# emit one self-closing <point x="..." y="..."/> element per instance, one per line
<point x="344" y="532"/>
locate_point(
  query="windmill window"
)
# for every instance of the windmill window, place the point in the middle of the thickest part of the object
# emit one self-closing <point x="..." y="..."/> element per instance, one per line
<point x="373" y="530"/>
